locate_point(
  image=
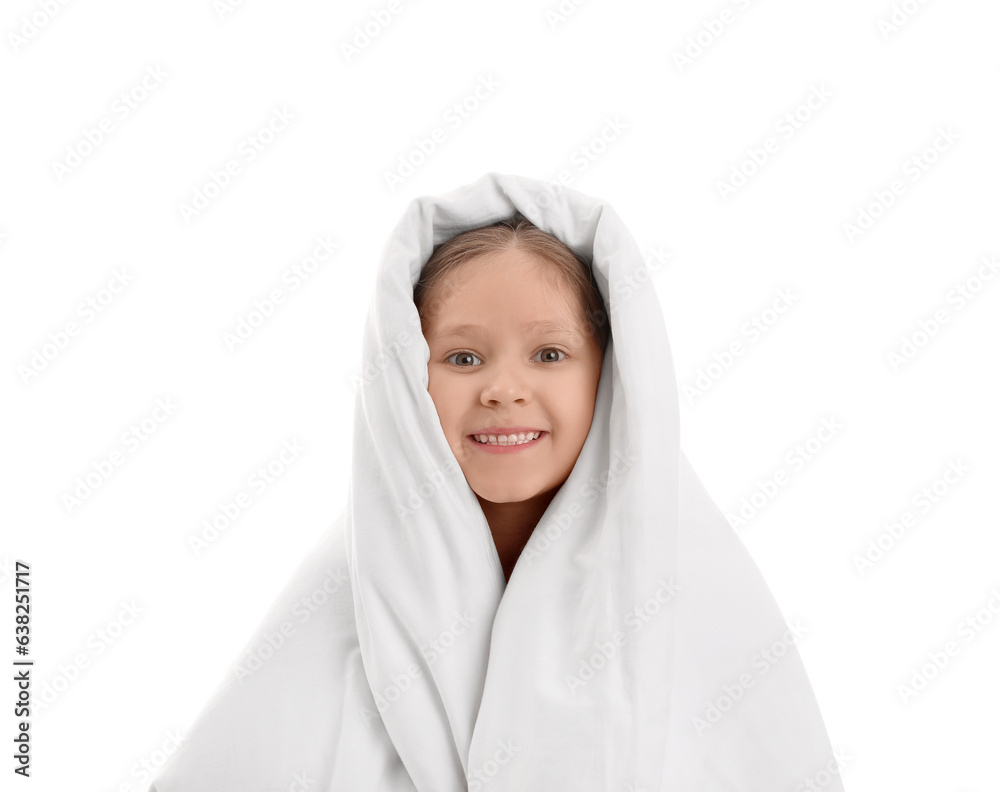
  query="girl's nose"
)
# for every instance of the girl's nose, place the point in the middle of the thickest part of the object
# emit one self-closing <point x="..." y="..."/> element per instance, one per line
<point x="505" y="384"/>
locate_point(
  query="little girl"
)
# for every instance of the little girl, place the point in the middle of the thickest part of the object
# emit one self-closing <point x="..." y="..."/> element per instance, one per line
<point x="528" y="589"/>
<point x="516" y="330"/>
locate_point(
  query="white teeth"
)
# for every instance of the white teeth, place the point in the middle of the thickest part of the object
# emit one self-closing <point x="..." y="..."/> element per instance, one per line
<point x="511" y="439"/>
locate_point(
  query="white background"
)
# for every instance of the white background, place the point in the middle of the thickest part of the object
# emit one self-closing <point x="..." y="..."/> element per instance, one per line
<point x="558" y="85"/>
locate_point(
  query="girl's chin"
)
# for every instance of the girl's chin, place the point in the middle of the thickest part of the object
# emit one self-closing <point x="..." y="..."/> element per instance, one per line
<point x="500" y="489"/>
<point x="500" y="498"/>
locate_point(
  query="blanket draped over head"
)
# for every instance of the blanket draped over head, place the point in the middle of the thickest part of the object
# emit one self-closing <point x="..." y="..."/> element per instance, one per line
<point x="635" y="647"/>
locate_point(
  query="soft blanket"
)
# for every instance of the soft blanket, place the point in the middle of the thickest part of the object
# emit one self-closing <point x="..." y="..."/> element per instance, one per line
<point x="635" y="647"/>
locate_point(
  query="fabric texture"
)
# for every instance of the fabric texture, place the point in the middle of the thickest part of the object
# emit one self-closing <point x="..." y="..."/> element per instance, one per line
<point x="635" y="647"/>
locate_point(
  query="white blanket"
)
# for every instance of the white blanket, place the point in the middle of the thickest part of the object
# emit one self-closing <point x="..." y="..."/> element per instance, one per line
<point x="636" y="646"/>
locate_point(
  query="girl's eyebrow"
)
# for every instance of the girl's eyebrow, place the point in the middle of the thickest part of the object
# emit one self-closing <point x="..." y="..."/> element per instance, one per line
<point x="539" y="326"/>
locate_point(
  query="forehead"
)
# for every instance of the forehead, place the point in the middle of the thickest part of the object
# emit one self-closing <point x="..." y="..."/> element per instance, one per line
<point x="513" y="293"/>
<point x="530" y="327"/>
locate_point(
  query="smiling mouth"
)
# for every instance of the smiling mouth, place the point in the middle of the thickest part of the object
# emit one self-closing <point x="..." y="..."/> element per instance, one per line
<point x="516" y="439"/>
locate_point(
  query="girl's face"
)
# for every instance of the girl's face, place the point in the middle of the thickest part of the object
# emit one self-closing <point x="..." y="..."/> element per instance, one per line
<point x="510" y="350"/>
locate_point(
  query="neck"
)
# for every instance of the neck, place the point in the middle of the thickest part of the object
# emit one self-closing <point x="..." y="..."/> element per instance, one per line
<point x="512" y="524"/>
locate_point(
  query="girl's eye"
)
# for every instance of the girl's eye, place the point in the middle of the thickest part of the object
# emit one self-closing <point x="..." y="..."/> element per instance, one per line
<point x="553" y="349"/>
<point x="461" y="355"/>
<point x="466" y="355"/>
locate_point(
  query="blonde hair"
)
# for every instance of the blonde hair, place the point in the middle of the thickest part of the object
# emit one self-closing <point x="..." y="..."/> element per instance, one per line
<point x="516" y="233"/>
